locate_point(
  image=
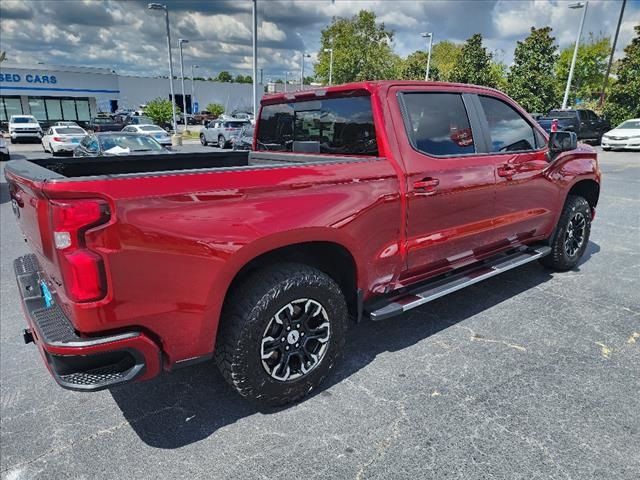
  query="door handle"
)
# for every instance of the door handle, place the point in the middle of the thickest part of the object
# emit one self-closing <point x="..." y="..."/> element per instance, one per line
<point x="426" y="186"/>
<point x="507" y="170"/>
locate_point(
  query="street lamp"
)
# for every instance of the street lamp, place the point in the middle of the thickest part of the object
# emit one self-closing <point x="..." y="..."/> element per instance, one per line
<point x="330" y="51"/>
<point x="182" y="41"/>
<point x="159" y="6"/>
<point x="255" y="58"/>
<point x="302" y="70"/>
<point x="286" y="79"/>
<point x="428" y="35"/>
<point x="575" y="50"/>
<point x="193" y="87"/>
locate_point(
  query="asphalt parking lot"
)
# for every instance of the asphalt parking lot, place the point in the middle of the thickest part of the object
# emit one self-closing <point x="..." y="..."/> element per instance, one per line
<point x="529" y="375"/>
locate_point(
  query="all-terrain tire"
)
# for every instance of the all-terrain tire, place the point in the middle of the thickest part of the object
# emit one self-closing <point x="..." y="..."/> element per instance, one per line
<point x="247" y="315"/>
<point x="562" y="256"/>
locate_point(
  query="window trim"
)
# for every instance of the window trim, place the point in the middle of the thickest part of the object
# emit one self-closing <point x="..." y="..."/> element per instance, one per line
<point x="487" y="130"/>
<point x="472" y="115"/>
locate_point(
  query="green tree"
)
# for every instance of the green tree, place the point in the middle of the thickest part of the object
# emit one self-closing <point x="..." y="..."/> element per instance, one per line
<point x="624" y="101"/>
<point x="415" y="65"/>
<point x="224" y="76"/>
<point x="531" y="80"/>
<point x="160" y="111"/>
<point x="215" y="109"/>
<point x="361" y="50"/>
<point x="591" y="65"/>
<point x="444" y="57"/>
<point x="474" y="64"/>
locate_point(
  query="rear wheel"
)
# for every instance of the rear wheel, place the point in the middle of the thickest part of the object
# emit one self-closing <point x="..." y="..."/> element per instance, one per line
<point x="222" y="142"/>
<point x="282" y="332"/>
<point x="572" y="235"/>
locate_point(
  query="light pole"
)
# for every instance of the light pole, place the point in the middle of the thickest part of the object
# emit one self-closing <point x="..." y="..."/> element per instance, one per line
<point x="193" y="87"/>
<point x="613" y="50"/>
<point x="182" y="41"/>
<point x="302" y="70"/>
<point x="159" y="6"/>
<point x="286" y="80"/>
<point x="575" y="51"/>
<point x="330" y="51"/>
<point x="428" y="35"/>
<point x="255" y="59"/>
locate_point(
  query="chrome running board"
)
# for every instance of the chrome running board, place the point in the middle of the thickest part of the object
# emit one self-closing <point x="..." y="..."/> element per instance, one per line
<point x="452" y="282"/>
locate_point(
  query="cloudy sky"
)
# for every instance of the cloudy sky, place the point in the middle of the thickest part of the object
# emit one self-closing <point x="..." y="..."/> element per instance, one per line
<point x="125" y="36"/>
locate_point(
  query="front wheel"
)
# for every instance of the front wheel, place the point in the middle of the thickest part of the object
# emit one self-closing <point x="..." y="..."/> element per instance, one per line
<point x="282" y="332"/>
<point x="203" y="140"/>
<point x="572" y="235"/>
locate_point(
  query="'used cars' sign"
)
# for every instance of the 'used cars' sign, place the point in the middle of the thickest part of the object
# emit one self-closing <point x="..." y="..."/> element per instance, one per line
<point x="29" y="77"/>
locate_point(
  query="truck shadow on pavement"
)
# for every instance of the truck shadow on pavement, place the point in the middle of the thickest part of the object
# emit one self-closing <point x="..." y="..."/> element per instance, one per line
<point x="189" y="405"/>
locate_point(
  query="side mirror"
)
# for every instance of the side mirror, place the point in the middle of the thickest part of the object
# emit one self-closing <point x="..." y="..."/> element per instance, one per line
<point x="562" y="142"/>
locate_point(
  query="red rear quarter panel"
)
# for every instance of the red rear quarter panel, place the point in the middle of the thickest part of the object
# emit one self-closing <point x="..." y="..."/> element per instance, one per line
<point x="176" y="241"/>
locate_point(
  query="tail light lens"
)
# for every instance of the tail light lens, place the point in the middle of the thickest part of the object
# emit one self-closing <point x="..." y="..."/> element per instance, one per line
<point x="57" y="139"/>
<point x="82" y="269"/>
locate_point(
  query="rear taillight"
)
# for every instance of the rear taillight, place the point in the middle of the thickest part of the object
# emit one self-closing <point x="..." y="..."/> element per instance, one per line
<point x="57" y="139"/>
<point x="82" y="269"/>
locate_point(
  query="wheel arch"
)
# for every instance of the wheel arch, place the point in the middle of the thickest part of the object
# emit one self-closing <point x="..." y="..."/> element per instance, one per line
<point x="330" y="257"/>
<point x="588" y="189"/>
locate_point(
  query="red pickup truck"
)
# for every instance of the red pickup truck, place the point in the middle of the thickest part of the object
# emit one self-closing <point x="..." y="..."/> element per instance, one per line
<point x="358" y="201"/>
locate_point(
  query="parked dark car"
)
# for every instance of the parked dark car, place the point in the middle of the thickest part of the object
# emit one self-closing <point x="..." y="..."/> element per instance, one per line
<point x="105" y="124"/>
<point x="120" y="143"/>
<point x="244" y="141"/>
<point x="585" y="123"/>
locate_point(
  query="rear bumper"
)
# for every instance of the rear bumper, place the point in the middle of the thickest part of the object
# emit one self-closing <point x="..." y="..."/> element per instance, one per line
<point x="76" y="362"/>
<point x="64" y="147"/>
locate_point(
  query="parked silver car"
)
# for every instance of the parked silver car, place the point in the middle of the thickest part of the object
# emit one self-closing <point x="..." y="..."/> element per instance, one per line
<point x="221" y="132"/>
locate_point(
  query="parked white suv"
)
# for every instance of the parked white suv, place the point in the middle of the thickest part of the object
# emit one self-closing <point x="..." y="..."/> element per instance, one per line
<point x="24" y="127"/>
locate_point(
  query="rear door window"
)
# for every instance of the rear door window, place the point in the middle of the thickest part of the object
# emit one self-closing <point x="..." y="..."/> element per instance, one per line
<point x="330" y="125"/>
<point x="509" y="131"/>
<point x="437" y="123"/>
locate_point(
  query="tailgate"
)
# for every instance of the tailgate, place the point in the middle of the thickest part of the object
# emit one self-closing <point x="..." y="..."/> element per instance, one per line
<point x="31" y="210"/>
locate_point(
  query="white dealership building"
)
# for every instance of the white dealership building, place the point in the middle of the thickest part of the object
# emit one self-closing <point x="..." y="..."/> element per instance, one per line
<point x="52" y="93"/>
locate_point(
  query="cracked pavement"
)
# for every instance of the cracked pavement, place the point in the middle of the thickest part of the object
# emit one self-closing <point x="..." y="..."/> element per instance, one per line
<point x="529" y="375"/>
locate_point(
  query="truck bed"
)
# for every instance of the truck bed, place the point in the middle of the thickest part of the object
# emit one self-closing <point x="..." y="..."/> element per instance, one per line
<point x="92" y="167"/>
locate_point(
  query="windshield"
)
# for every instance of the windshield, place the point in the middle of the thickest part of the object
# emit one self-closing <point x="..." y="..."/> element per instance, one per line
<point x="132" y="143"/>
<point x="629" y="125"/>
<point x="151" y="128"/>
<point x="69" y="131"/>
<point x="102" y="120"/>
<point x="24" y="120"/>
<point x="234" y="124"/>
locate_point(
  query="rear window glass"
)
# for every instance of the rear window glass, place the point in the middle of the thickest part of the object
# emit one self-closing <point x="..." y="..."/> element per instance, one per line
<point x="234" y="124"/>
<point x="102" y="120"/>
<point x="24" y="120"/>
<point x="331" y="125"/>
<point x="69" y="131"/>
<point x="437" y="123"/>
<point x="150" y="128"/>
<point x="561" y="114"/>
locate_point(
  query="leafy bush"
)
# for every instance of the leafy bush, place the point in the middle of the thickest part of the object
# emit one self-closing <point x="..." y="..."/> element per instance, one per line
<point x="159" y="110"/>
<point x="215" y="108"/>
